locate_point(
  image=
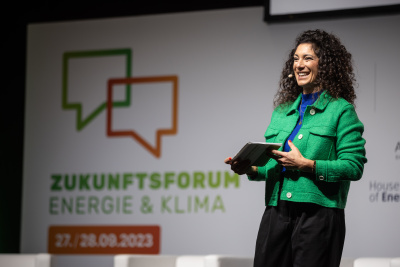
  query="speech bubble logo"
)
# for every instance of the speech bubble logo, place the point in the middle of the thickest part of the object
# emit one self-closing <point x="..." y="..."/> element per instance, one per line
<point x="172" y="130"/>
<point x="87" y="88"/>
<point x="81" y="63"/>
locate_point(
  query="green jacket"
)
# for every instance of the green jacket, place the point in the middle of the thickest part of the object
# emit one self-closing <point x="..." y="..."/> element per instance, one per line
<point x="331" y="135"/>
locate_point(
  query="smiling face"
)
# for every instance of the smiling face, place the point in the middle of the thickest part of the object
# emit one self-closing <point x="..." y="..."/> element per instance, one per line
<point x="305" y="67"/>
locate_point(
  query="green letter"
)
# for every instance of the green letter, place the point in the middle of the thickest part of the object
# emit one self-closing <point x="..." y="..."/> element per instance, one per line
<point x="71" y="186"/>
<point x="109" y="208"/>
<point x="231" y="179"/>
<point x="65" y="204"/>
<point x="177" y="210"/>
<point x="141" y="177"/>
<point x="183" y="176"/>
<point x="215" y="184"/>
<point x="164" y="203"/>
<point x="96" y="184"/>
<point x="83" y="182"/>
<point x="198" y="178"/>
<point x="198" y="204"/>
<point x="56" y="185"/>
<point x="218" y="204"/>
<point x="155" y="182"/>
<point x="113" y="181"/>
<point x="127" y="204"/>
<point x="168" y="179"/>
<point x="53" y="205"/>
<point x="127" y="180"/>
<point x="93" y="203"/>
<point x="79" y="205"/>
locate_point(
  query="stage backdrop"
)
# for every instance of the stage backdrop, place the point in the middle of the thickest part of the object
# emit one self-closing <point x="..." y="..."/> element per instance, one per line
<point x="128" y="121"/>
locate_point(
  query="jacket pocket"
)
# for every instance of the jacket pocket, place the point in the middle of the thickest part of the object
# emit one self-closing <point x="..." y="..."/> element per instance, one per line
<point x="275" y="136"/>
<point x="321" y="143"/>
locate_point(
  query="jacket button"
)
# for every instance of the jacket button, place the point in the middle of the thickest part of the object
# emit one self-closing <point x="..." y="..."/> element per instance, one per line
<point x="300" y="136"/>
<point x="288" y="195"/>
<point x="312" y="111"/>
<point x="321" y="177"/>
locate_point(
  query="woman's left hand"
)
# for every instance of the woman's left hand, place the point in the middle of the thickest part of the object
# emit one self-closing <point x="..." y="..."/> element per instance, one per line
<point x="292" y="160"/>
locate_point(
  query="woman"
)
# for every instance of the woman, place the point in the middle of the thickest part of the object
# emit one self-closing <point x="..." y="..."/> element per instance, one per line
<point x="308" y="179"/>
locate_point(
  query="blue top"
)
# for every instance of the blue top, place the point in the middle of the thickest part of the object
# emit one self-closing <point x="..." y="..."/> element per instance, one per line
<point x="306" y="100"/>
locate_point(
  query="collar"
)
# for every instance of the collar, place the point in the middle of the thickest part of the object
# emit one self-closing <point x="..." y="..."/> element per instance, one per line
<point x="320" y="103"/>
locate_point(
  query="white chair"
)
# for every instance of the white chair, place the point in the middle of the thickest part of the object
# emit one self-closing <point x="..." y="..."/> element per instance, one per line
<point x="26" y="260"/>
<point x="347" y="262"/>
<point x="228" y="261"/>
<point x="136" y="260"/>
<point x="372" y="262"/>
<point x="395" y="262"/>
<point x="190" y="261"/>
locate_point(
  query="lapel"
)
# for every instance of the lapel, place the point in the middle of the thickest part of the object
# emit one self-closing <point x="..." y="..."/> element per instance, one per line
<point x="322" y="101"/>
<point x="293" y="108"/>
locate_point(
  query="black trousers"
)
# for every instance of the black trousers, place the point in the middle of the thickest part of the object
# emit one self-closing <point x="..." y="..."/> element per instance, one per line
<point x="300" y="235"/>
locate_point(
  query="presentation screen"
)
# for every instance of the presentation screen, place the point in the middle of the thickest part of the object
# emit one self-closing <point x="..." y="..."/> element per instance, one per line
<point x="286" y="7"/>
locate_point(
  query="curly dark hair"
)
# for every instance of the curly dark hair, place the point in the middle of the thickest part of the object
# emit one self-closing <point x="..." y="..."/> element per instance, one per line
<point x="335" y="69"/>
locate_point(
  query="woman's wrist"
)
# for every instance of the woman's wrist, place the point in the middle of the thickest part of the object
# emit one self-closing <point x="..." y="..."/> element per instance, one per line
<point x="308" y="166"/>
<point x="252" y="171"/>
<point x="314" y="168"/>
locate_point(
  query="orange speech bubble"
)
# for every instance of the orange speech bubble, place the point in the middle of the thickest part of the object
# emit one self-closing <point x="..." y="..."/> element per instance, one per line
<point x="156" y="149"/>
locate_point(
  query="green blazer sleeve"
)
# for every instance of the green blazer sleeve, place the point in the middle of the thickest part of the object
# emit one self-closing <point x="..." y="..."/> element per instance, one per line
<point x="349" y="155"/>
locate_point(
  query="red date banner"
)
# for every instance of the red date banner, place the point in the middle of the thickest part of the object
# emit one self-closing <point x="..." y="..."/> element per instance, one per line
<point x="104" y="239"/>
